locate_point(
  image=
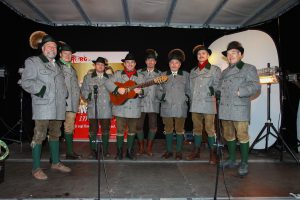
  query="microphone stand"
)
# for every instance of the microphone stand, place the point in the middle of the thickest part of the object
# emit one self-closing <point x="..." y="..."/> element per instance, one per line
<point x="218" y="144"/>
<point x="98" y="140"/>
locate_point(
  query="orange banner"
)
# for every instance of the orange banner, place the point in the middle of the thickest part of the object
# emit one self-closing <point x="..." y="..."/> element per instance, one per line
<point x="81" y="132"/>
<point x="82" y="62"/>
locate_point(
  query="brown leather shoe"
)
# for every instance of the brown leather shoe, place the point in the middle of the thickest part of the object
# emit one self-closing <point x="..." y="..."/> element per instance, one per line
<point x="39" y="174"/>
<point x="167" y="155"/>
<point x="194" y="155"/>
<point x="72" y="156"/>
<point x="141" y="148"/>
<point x="61" y="167"/>
<point x="149" y="147"/>
<point x="212" y="157"/>
<point x="178" y="156"/>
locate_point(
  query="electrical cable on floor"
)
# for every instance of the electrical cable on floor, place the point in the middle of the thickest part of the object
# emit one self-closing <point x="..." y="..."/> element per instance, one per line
<point x="104" y="171"/>
<point x="219" y="142"/>
<point x="224" y="181"/>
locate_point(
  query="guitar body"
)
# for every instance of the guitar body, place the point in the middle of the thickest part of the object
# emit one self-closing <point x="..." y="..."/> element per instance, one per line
<point x="118" y="99"/>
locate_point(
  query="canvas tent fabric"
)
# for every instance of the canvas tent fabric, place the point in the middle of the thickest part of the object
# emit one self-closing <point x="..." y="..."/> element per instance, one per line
<point x="219" y="14"/>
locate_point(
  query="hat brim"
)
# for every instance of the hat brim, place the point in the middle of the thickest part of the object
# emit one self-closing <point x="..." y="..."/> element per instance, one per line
<point x="224" y="53"/>
<point x="151" y="56"/>
<point x="94" y="61"/>
<point x="209" y="51"/>
<point x="201" y="47"/>
<point x="67" y="50"/>
<point x="240" y="49"/>
<point x="123" y="60"/>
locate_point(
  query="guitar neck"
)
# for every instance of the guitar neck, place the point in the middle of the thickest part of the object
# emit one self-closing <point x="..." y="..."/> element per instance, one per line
<point x="142" y="85"/>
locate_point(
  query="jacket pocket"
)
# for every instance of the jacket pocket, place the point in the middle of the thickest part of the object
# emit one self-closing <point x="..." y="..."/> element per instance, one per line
<point x="165" y="105"/>
<point x="210" y="99"/>
<point x="241" y="101"/>
<point x="44" y="72"/>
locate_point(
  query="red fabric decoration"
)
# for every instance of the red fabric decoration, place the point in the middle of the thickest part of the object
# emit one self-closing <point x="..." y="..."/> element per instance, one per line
<point x="201" y="66"/>
<point x="129" y="73"/>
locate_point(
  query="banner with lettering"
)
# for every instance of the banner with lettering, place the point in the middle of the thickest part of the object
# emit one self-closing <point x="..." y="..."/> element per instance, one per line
<point x="82" y="62"/>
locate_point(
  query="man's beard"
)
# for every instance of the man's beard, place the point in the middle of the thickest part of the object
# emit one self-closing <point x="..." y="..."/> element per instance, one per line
<point x="51" y="54"/>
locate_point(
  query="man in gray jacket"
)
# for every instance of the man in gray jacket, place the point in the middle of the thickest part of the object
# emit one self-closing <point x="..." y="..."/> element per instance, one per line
<point x="44" y="80"/>
<point x="65" y="53"/>
<point x="204" y="80"/>
<point x="174" y="102"/>
<point x="128" y="113"/>
<point x="149" y="104"/>
<point x="94" y="82"/>
<point x="239" y="82"/>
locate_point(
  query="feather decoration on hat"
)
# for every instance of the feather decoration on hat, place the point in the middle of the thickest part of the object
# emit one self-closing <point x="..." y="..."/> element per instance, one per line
<point x="36" y="38"/>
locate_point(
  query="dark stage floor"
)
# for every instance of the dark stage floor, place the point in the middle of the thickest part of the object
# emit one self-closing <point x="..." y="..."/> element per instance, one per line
<point x="149" y="178"/>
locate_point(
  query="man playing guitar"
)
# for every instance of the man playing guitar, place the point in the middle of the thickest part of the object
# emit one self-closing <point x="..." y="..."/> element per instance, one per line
<point x="128" y="113"/>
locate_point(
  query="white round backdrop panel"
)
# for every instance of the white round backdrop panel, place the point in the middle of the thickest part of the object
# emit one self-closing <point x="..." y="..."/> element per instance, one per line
<point x="260" y="49"/>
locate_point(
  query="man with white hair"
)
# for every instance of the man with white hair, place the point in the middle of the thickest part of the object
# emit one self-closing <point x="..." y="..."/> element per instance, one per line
<point x="44" y="80"/>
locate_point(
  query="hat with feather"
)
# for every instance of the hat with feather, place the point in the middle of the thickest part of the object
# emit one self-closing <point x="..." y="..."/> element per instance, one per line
<point x="151" y="53"/>
<point x="38" y="38"/>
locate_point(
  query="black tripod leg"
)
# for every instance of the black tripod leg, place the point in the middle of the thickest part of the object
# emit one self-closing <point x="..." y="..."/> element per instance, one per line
<point x="285" y="144"/>
<point x="258" y="138"/>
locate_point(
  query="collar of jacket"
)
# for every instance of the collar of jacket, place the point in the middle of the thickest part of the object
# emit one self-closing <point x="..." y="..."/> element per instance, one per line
<point x="180" y="72"/>
<point x="68" y="64"/>
<point x="207" y="66"/>
<point x="240" y="65"/>
<point x="60" y="63"/>
<point x="145" y="69"/>
<point x="94" y="74"/>
<point x="135" y="74"/>
<point x="44" y="58"/>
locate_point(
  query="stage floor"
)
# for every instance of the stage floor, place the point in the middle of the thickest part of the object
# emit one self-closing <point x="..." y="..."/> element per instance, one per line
<point x="149" y="178"/>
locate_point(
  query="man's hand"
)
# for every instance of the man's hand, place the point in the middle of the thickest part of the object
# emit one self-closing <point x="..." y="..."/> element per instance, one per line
<point x="238" y="93"/>
<point x="138" y="90"/>
<point x="121" y="91"/>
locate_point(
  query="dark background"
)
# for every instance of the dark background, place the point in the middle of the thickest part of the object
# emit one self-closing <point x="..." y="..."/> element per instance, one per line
<point x="15" y="32"/>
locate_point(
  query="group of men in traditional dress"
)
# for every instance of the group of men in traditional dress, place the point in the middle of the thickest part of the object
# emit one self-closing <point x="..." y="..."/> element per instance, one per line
<point x="55" y="93"/>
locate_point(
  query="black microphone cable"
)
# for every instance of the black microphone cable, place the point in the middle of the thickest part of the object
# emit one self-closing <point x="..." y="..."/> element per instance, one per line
<point x="100" y="146"/>
<point x="219" y="145"/>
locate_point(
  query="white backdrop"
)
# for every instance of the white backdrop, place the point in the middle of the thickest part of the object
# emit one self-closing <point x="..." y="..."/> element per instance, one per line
<point x="260" y="49"/>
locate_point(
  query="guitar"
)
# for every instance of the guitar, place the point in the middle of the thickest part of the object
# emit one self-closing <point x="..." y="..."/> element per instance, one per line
<point x="119" y="99"/>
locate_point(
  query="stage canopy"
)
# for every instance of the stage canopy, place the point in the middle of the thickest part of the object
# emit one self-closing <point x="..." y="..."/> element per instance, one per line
<point x="220" y="14"/>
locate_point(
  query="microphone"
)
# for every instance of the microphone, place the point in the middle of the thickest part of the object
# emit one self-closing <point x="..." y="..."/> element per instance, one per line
<point x="95" y="89"/>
